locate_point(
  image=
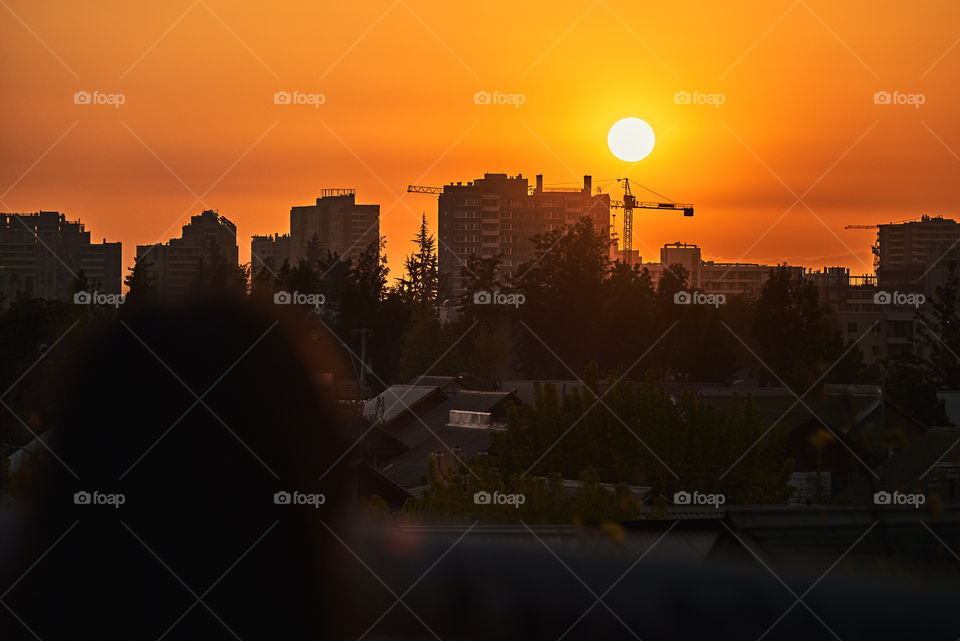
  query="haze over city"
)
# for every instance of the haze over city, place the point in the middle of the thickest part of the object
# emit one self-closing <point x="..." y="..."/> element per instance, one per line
<point x="410" y="319"/>
<point x="199" y="128"/>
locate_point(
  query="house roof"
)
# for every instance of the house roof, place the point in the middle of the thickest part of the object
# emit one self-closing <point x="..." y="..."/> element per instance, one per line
<point x="31" y="450"/>
<point x="372" y="482"/>
<point x="436" y="418"/>
<point x="448" y="384"/>
<point x="909" y="467"/>
<point x="842" y="407"/>
<point x="408" y="469"/>
<point x="397" y="399"/>
<point x="432" y="433"/>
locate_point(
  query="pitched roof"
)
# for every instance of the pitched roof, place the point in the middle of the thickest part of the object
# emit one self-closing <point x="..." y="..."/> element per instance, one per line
<point x="397" y="399"/>
<point x="448" y="384"/>
<point x="439" y="416"/>
<point x="408" y="469"/>
<point x="911" y="467"/>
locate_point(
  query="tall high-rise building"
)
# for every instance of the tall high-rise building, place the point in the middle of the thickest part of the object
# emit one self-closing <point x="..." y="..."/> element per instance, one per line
<point x="208" y="243"/>
<point x="338" y="224"/>
<point x="499" y="215"/>
<point x="41" y="254"/>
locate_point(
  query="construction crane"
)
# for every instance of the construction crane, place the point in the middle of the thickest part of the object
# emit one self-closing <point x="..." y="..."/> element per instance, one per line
<point x="629" y="203"/>
<point x="861" y="226"/>
<point x="421" y="189"/>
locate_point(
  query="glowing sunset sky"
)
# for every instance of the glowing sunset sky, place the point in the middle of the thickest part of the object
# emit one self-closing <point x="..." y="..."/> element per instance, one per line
<point x="199" y="127"/>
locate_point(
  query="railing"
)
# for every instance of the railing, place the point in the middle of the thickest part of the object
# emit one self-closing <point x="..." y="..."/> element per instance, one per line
<point x="325" y="193"/>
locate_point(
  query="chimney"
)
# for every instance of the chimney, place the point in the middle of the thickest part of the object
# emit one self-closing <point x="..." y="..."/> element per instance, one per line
<point x="539" y="183"/>
<point x="587" y="184"/>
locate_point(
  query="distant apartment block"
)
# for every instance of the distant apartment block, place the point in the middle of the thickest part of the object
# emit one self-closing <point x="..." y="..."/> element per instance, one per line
<point x="42" y="253"/>
<point x="914" y="256"/>
<point x="338" y="223"/>
<point x="918" y="241"/>
<point x="207" y="243"/>
<point x="499" y="215"/>
<point x="730" y="279"/>
<point x="267" y="254"/>
<point x="884" y="325"/>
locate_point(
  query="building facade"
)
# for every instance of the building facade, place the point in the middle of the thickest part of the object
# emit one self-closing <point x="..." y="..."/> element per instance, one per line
<point x="267" y="255"/>
<point x="884" y="327"/>
<point x="912" y="260"/>
<point x="498" y="215"/>
<point x="916" y="255"/>
<point x="709" y="277"/>
<point x="42" y="254"/>
<point x="207" y="244"/>
<point x="336" y="221"/>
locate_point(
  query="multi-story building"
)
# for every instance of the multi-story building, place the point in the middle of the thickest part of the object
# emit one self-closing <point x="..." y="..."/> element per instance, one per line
<point x="498" y="215"/>
<point x="912" y="260"/>
<point x="337" y="222"/>
<point x="916" y="241"/>
<point x="42" y="254"/>
<point x="730" y="279"/>
<point x="883" y="322"/>
<point x="916" y="255"/>
<point x="208" y="243"/>
<point x="267" y="255"/>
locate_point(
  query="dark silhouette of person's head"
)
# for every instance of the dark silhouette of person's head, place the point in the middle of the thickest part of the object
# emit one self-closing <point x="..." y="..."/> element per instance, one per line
<point x="159" y="513"/>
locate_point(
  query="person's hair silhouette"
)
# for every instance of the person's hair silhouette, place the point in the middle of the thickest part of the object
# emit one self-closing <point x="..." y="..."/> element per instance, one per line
<point x="194" y="418"/>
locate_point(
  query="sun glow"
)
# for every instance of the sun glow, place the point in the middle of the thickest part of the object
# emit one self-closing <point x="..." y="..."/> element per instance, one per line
<point x="631" y="139"/>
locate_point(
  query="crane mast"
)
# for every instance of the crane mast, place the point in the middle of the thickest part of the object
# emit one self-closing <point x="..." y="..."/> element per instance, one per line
<point x="629" y="203"/>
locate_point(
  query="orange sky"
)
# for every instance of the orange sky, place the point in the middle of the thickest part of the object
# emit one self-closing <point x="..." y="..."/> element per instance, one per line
<point x="798" y="81"/>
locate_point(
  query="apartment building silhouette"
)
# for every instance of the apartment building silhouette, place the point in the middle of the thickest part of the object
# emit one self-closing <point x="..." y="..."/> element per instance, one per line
<point x="43" y="253"/>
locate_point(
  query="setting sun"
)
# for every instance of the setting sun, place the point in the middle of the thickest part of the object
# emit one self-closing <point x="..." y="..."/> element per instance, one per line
<point x="631" y="139"/>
